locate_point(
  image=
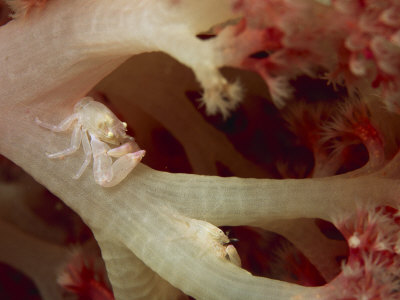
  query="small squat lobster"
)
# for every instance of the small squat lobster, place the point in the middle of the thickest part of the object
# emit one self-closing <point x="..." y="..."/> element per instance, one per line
<point x="103" y="127"/>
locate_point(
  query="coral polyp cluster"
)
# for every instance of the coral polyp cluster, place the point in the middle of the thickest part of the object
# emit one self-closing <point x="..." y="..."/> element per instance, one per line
<point x="355" y="43"/>
<point x="372" y="268"/>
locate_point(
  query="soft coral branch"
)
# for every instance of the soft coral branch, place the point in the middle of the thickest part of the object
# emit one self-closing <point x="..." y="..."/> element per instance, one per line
<point x="143" y="212"/>
<point x="142" y="225"/>
<point x="86" y="57"/>
<point x="95" y="41"/>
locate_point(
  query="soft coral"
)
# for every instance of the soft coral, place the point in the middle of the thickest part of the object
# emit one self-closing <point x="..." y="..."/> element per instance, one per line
<point x="82" y="278"/>
<point x="350" y="42"/>
<point x="372" y="268"/>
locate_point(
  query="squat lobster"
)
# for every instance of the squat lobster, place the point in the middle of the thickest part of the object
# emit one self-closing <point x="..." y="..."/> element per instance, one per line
<point x="104" y="128"/>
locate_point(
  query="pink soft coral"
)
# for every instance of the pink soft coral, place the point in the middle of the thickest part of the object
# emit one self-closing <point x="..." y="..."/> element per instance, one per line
<point x="372" y="268"/>
<point x="355" y="43"/>
<point x="86" y="279"/>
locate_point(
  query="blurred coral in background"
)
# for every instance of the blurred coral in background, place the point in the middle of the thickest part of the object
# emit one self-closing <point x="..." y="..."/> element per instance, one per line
<point x="305" y="91"/>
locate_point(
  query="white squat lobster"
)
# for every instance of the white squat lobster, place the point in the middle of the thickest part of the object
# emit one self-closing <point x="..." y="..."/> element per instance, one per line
<point x="216" y="240"/>
<point x="103" y="127"/>
<point x="210" y="237"/>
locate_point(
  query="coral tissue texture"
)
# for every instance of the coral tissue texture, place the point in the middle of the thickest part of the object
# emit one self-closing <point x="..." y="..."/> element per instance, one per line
<point x="331" y="77"/>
